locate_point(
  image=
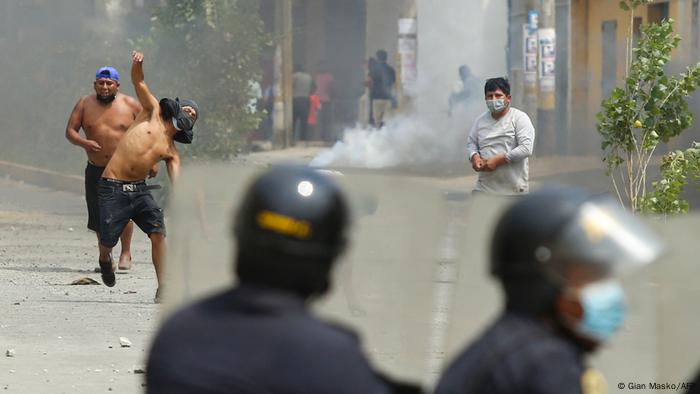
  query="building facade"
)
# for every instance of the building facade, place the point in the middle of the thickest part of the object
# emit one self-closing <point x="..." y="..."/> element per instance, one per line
<point x="591" y="38"/>
<point x="344" y="34"/>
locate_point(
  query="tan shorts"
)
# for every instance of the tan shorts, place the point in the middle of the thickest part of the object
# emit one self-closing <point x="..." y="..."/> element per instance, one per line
<point x="381" y="110"/>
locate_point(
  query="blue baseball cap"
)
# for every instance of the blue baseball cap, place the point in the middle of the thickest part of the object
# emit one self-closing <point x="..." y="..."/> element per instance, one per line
<point x="107" y="72"/>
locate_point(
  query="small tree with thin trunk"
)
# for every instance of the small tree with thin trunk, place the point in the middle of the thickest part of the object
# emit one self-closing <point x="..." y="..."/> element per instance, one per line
<point x="650" y="108"/>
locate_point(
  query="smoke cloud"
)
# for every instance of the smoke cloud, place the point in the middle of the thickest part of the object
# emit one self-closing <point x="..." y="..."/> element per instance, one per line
<point x="409" y="140"/>
<point x="473" y="35"/>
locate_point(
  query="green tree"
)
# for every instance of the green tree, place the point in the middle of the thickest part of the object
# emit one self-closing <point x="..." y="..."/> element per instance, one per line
<point x="209" y="51"/>
<point x="650" y="108"/>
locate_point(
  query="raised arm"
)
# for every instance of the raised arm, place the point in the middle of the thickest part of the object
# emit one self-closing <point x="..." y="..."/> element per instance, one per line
<point x="146" y="98"/>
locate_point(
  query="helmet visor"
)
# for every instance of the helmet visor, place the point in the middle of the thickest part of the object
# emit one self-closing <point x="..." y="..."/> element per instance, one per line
<point x="604" y="233"/>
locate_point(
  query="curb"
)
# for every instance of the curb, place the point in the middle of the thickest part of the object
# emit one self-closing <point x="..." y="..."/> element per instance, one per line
<point x="44" y="178"/>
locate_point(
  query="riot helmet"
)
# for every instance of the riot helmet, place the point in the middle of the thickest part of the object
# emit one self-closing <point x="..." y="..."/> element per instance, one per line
<point x="290" y="227"/>
<point x="546" y="232"/>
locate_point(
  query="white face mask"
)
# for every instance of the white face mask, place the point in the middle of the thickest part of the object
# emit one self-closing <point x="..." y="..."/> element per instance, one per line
<point x="496" y="106"/>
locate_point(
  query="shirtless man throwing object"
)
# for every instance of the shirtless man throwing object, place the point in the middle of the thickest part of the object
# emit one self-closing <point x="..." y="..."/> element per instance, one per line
<point x="123" y="193"/>
<point x="104" y="117"/>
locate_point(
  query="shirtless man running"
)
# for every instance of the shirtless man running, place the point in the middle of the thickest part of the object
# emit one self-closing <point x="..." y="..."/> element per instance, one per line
<point x="122" y="191"/>
<point x="104" y="117"/>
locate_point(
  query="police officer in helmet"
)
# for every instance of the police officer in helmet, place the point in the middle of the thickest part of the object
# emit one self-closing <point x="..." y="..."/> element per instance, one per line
<point x="260" y="337"/>
<point x="557" y="254"/>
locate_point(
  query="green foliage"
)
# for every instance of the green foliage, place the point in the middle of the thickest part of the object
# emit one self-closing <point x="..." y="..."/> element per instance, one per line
<point x="628" y="5"/>
<point x="676" y="169"/>
<point x="650" y="108"/>
<point x="209" y="51"/>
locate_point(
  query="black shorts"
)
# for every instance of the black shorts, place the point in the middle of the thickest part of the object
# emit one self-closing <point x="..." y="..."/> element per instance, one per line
<point x="120" y="201"/>
<point x="93" y="174"/>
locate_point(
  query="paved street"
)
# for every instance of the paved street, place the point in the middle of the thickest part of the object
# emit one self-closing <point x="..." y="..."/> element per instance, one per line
<point x="414" y="285"/>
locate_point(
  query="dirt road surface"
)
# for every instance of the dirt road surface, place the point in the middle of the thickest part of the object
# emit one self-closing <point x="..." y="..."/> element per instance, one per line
<point x="65" y="339"/>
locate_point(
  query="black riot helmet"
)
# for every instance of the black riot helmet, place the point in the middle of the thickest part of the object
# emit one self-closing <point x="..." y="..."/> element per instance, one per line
<point x="543" y="233"/>
<point x="290" y="227"/>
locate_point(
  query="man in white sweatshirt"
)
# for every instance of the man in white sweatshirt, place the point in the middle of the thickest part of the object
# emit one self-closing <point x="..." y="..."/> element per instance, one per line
<point x="500" y="143"/>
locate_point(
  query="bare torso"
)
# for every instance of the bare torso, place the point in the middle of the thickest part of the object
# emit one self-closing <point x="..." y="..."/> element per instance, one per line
<point x="145" y="143"/>
<point x="107" y="124"/>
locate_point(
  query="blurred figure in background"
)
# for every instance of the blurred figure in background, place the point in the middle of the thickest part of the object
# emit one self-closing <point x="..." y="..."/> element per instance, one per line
<point x="260" y="336"/>
<point x="315" y="109"/>
<point x="256" y="105"/>
<point x="104" y="118"/>
<point x="324" y="90"/>
<point x="365" y="111"/>
<point x="467" y="88"/>
<point x="267" y="104"/>
<point x="383" y="78"/>
<point x="557" y="254"/>
<point x="302" y="85"/>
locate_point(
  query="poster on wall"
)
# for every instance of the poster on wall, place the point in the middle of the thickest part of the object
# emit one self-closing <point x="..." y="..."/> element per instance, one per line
<point x="408" y="54"/>
<point x="530" y="55"/>
<point x="548" y="56"/>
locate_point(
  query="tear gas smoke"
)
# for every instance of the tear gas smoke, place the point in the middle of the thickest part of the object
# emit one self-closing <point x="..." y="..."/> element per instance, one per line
<point x="473" y="35"/>
<point x="413" y="139"/>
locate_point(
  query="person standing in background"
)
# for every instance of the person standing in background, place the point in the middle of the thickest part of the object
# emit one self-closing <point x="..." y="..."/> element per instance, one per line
<point x="383" y="78"/>
<point x="324" y="90"/>
<point x="302" y="85"/>
<point x="365" y="105"/>
<point x="314" y="111"/>
<point x="464" y="90"/>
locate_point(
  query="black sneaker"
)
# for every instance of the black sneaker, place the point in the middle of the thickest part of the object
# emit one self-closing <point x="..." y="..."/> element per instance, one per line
<point x="107" y="271"/>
